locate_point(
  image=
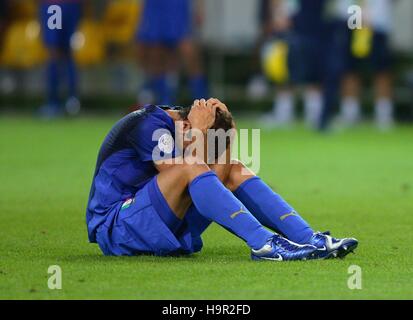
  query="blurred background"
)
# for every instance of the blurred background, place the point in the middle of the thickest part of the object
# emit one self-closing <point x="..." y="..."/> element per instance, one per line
<point x="280" y="60"/>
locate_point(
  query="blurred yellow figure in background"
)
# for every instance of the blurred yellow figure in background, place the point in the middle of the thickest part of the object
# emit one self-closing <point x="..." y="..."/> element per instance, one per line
<point x="275" y="61"/>
<point x="22" y="47"/>
<point x="88" y="43"/>
<point x="120" y="20"/>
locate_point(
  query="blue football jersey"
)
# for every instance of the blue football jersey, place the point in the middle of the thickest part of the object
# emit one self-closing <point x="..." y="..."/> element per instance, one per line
<point x="126" y="161"/>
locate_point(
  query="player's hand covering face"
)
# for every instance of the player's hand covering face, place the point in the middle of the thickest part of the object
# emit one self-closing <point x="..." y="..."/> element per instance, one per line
<point x="223" y="109"/>
<point x="202" y="115"/>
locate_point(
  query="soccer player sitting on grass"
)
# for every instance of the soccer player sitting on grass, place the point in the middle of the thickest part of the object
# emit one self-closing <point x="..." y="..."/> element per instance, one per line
<point x="151" y="194"/>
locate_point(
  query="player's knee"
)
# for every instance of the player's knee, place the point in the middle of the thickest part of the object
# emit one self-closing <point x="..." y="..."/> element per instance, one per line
<point x="193" y="169"/>
<point x="238" y="174"/>
<point x="237" y="163"/>
<point x="238" y="168"/>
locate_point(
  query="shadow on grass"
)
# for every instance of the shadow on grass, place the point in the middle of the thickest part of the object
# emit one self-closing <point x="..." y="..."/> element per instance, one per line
<point x="98" y="258"/>
<point x="212" y="254"/>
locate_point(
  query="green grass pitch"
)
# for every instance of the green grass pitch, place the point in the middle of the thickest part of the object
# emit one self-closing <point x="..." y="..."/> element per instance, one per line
<point x="355" y="183"/>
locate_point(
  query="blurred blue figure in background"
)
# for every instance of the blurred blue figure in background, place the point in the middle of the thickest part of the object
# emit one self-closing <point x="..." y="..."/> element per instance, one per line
<point x="61" y="65"/>
<point x="335" y="58"/>
<point x="165" y="32"/>
<point x="307" y="53"/>
<point x="257" y="86"/>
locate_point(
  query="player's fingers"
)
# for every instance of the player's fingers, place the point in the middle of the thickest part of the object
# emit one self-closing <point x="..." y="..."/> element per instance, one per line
<point x="219" y="104"/>
<point x="212" y="107"/>
<point x="214" y="101"/>
<point x="202" y="103"/>
<point x="196" y="103"/>
<point x="222" y="106"/>
<point x="209" y="104"/>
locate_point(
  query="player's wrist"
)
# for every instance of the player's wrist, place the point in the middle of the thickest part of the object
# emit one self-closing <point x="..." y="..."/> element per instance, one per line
<point x="202" y="129"/>
<point x="200" y="125"/>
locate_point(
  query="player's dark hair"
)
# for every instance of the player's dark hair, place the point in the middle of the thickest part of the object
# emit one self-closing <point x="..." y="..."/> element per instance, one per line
<point x="223" y="121"/>
<point x="184" y="112"/>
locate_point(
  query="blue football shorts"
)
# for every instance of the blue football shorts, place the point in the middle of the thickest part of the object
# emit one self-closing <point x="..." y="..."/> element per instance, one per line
<point x="146" y="225"/>
<point x="165" y="26"/>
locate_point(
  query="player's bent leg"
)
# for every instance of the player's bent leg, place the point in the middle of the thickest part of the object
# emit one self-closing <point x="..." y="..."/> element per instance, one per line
<point x="183" y="184"/>
<point x="214" y="201"/>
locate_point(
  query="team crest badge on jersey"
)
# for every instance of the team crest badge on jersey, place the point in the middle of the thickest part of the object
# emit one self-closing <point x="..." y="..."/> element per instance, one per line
<point x="127" y="204"/>
<point x="166" y="143"/>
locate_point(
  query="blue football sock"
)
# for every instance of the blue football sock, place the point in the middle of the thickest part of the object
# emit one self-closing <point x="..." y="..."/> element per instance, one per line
<point x="272" y="211"/>
<point x="53" y="83"/>
<point x="218" y="204"/>
<point x="198" y="87"/>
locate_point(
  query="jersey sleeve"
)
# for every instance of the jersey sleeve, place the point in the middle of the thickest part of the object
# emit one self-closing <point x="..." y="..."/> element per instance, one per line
<point x="153" y="140"/>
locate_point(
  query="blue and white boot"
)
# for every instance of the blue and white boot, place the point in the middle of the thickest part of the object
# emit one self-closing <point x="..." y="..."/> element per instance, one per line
<point x="282" y="249"/>
<point x="329" y="247"/>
